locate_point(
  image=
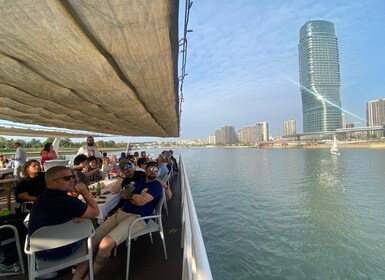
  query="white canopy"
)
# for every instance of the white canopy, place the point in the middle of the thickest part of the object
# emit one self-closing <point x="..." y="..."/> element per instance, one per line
<point x="102" y="66"/>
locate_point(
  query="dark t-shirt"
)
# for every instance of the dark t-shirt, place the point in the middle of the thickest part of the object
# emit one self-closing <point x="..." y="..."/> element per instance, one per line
<point x="34" y="186"/>
<point x="138" y="175"/>
<point x="153" y="188"/>
<point x="127" y="182"/>
<point x="55" y="207"/>
<point x="81" y="177"/>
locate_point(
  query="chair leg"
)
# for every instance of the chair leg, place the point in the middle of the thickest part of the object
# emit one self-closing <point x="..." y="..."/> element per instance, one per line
<point x="164" y="243"/>
<point x="165" y="206"/>
<point x="18" y="247"/>
<point x="90" y="261"/>
<point x="152" y="241"/>
<point x="31" y="268"/>
<point x="128" y="259"/>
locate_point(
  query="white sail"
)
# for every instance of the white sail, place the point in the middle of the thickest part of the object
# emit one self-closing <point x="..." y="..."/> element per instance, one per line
<point x="334" y="147"/>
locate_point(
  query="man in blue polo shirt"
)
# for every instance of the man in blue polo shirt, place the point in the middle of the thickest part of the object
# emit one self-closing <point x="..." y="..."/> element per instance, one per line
<point x="114" y="230"/>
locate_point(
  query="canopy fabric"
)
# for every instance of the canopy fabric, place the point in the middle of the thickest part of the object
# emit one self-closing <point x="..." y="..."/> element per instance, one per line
<point x="12" y="131"/>
<point x="102" y="66"/>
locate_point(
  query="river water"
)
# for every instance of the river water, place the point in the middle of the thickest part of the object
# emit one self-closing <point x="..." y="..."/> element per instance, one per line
<point x="290" y="213"/>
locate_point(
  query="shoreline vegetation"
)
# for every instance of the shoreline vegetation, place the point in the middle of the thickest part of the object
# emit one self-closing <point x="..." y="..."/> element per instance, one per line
<point x="267" y="145"/>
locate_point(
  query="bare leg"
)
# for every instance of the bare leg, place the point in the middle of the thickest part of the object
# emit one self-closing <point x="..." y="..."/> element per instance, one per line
<point x="105" y="247"/>
<point x="82" y="268"/>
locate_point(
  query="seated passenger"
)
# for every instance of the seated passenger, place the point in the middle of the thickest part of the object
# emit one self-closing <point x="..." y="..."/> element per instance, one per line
<point x="32" y="184"/>
<point x="143" y="154"/>
<point x="93" y="166"/>
<point x="4" y="163"/>
<point x="142" y="164"/>
<point x="122" y="156"/>
<point x="106" y="167"/>
<point x="162" y="163"/>
<point x="80" y="170"/>
<point x="114" y="230"/>
<point x="115" y="167"/>
<point x="55" y="207"/>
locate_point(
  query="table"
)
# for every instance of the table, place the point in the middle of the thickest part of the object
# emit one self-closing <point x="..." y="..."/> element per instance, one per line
<point x="111" y="199"/>
<point x="8" y="184"/>
<point x="4" y="171"/>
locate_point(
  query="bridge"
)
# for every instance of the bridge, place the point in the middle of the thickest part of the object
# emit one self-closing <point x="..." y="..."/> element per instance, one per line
<point x="322" y="135"/>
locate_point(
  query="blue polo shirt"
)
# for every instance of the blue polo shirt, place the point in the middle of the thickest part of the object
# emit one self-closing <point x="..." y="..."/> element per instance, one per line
<point x="153" y="188"/>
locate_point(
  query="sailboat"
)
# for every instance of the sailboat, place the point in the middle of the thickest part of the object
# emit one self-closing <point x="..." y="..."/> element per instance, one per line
<point x="334" y="147"/>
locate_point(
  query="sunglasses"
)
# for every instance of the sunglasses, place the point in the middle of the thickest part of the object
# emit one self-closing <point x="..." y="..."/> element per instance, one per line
<point x="152" y="169"/>
<point x="65" y="178"/>
<point x="127" y="167"/>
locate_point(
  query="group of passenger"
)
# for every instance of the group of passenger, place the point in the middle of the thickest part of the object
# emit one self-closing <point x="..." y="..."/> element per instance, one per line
<point x="20" y="158"/>
<point x="138" y="177"/>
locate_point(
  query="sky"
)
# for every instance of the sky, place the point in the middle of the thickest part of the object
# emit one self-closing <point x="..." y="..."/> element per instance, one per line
<point x="242" y="62"/>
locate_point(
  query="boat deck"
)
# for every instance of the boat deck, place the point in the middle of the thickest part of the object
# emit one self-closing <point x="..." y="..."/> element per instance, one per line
<point x="147" y="260"/>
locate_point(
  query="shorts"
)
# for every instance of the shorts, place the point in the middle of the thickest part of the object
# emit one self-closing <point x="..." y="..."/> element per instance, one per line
<point x="117" y="227"/>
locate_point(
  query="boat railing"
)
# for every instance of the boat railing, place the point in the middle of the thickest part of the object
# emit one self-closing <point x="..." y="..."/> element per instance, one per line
<point x="195" y="261"/>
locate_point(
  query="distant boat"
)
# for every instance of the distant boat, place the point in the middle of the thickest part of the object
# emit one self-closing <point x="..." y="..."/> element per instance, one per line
<point x="334" y="147"/>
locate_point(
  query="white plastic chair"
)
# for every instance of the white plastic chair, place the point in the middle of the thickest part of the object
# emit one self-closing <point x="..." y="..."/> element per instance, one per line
<point x="25" y="206"/>
<point x="166" y="180"/>
<point x="15" y="239"/>
<point x="154" y="224"/>
<point x="50" y="237"/>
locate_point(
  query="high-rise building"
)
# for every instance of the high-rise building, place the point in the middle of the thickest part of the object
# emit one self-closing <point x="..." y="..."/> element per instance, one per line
<point x="319" y="74"/>
<point x="289" y="127"/>
<point x="375" y="112"/>
<point x="262" y="132"/>
<point x="248" y="135"/>
<point x="226" y="135"/>
<point x="212" y="140"/>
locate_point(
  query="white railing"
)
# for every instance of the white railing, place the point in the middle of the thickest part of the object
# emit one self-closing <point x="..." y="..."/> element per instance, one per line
<point x="195" y="261"/>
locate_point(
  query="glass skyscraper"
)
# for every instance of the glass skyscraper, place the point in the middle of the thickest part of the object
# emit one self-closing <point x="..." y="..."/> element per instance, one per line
<point x="319" y="74"/>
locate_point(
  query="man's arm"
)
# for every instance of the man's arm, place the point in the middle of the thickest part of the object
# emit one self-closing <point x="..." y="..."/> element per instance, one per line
<point x="25" y="197"/>
<point x="167" y="189"/>
<point x="18" y="154"/>
<point x="80" y="151"/>
<point x="118" y="184"/>
<point x="92" y="210"/>
<point x="141" y="199"/>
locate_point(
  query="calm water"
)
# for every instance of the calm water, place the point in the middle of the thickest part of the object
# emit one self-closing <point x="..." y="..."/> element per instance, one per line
<point x="290" y="214"/>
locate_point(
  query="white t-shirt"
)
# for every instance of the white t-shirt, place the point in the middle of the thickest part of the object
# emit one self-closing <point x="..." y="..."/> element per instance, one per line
<point x="89" y="151"/>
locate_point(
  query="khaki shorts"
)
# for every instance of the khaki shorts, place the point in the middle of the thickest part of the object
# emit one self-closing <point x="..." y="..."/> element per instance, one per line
<point x="117" y="227"/>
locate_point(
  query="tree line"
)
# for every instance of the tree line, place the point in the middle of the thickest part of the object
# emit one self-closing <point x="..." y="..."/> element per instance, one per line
<point x="64" y="143"/>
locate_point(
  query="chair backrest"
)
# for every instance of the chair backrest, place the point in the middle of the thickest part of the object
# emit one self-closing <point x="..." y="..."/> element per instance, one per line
<point x="166" y="178"/>
<point x="50" y="237"/>
<point x="158" y="207"/>
<point x="12" y="238"/>
<point x="56" y="162"/>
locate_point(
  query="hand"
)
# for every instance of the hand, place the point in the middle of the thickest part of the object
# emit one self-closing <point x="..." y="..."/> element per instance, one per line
<point x="168" y="194"/>
<point x="122" y="175"/>
<point x="138" y="200"/>
<point x="80" y="188"/>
